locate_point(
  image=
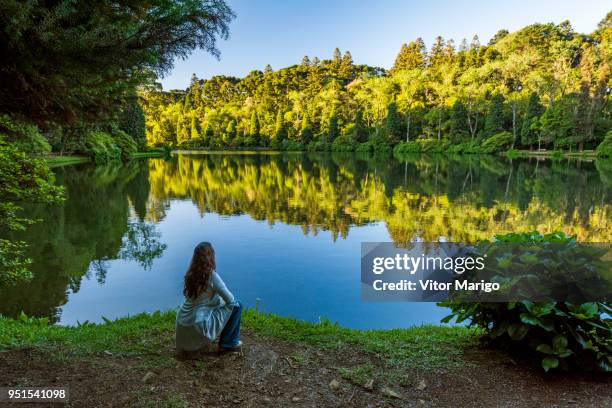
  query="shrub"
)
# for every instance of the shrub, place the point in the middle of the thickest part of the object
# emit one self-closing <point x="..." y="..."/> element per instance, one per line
<point x="364" y="147"/>
<point x="380" y="142"/>
<point x="24" y="179"/>
<point x="126" y="144"/>
<point x="343" y="143"/>
<point x="605" y="147"/>
<point x="497" y="143"/>
<point x="407" y="147"/>
<point x="569" y="335"/>
<point x="466" y="147"/>
<point x="292" y="146"/>
<point x="318" y="146"/>
<point x="100" y="146"/>
<point x="23" y="136"/>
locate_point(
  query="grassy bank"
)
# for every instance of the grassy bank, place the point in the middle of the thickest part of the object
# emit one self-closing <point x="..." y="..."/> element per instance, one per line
<point x="153" y="153"/>
<point x="54" y="160"/>
<point x="285" y="362"/>
<point x="585" y="154"/>
<point x="148" y="334"/>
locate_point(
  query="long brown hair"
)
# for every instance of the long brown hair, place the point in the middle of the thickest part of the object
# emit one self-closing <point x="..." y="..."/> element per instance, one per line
<point x="200" y="270"/>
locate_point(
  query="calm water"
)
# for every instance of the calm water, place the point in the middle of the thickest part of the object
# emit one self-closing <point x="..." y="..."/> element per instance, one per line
<point x="287" y="228"/>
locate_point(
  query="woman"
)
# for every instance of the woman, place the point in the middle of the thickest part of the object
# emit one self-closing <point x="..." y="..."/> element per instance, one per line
<point x="209" y="309"/>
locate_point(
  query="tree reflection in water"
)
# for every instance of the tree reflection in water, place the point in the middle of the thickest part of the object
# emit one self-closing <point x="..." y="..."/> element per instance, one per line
<point x="112" y="212"/>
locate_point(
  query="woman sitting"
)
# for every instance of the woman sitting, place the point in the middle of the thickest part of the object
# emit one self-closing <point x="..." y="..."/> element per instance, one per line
<point x="209" y="309"/>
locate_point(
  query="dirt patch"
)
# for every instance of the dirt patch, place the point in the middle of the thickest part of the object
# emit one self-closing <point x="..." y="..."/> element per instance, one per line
<point x="274" y="373"/>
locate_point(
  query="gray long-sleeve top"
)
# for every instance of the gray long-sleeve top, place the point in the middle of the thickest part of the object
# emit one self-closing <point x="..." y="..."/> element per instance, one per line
<point x="201" y="320"/>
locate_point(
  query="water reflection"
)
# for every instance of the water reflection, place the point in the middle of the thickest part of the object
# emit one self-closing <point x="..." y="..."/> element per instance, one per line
<point x="78" y="238"/>
<point x="459" y="198"/>
<point x="110" y="222"/>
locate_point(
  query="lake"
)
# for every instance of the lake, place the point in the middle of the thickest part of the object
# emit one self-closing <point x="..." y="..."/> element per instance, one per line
<point x="287" y="228"/>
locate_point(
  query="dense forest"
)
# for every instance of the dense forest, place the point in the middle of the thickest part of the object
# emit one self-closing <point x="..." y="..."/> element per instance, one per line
<point x="542" y="87"/>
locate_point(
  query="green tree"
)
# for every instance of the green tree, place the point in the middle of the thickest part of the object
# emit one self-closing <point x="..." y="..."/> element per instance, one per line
<point x="393" y="125"/>
<point x="306" y="129"/>
<point x="494" y="122"/>
<point x="280" y="130"/>
<point x="78" y="60"/>
<point x="346" y="66"/>
<point x="436" y="54"/>
<point x="529" y="135"/>
<point x="254" y="130"/>
<point x="194" y="131"/>
<point x="360" y="133"/>
<point x="132" y="120"/>
<point x="411" y="56"/>
<point x="459" y="123"/>
<point x="24" y="179"/>
<point x="332" y="129"/>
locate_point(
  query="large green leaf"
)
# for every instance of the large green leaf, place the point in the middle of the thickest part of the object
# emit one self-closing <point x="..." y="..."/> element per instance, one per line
<point x="517" y="331"/>
<point x="549" y="362"/>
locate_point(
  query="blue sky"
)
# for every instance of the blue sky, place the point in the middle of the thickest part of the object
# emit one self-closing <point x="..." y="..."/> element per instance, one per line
<point x="280" y="33"/>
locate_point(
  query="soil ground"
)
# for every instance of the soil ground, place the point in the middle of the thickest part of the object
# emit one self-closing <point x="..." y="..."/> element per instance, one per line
<point x="276" y="373"/>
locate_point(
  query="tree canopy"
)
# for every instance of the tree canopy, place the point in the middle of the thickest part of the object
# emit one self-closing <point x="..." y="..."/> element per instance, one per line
<point x="544" y="84"/>
<point x="64" y="61"/>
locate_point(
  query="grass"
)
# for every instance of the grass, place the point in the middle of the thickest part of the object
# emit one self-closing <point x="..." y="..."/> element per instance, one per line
<point x="152" y="335"/>
<point x="428" y="346"/>
<point x="555" y="154"/>
<point x="358" y="375"/>
<point x="54" y="160"/>
<point x="153" y="153"/>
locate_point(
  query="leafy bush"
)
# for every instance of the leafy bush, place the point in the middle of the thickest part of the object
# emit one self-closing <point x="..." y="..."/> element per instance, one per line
<point x="563" y="334"/>
<point x="126" y="144"/>
<point x="366" y="147"/>
<point x="466" y="147"/>
<point x="343" y="143"/>
<point x="319" y="146"/>
<point x="407" y="147"/>
<point x="24" y="179"/>
<point x="100" y="146"/>
<point x="23" y="136"/>
<point x="380" y="142"/>
<point x="499" y="142"/>
<point x="605" y="147"/>
<point x="292" y="146"/>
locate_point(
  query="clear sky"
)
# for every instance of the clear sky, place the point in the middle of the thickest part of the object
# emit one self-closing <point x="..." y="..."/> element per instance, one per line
<point x="280" y="33"/>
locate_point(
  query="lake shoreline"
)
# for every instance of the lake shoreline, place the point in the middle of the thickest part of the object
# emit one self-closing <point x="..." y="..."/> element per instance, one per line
<point x="55" y="160"/>
<point x="548" y="154"/>
<point x="285" y="361"/>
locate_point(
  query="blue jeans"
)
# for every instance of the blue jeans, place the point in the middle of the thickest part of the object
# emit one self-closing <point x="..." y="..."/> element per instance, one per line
<point x="230" y="335"/>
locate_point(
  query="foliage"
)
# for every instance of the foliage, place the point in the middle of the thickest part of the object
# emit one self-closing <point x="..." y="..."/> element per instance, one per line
<point x="23" y="179"/>
<point x="497" y="143"/>
<point x="68" y="61"/>
<point x="125" y="143"/>
<point x="408" y="147"/>
<point x="400" y="348"/>
<point x="529" y="135"/>
<point x="100" y="146"/>
<point x="132" y="121"/>
<point x="605" y="148"/>
<point x="25" y="137"/>
<point x="543" y="83"/>
<point x="494" y="121"/>
<point x="562" y="334"/>
<point x="343" y="143"/>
